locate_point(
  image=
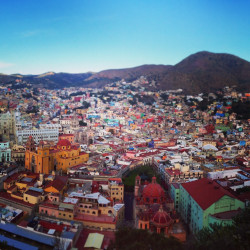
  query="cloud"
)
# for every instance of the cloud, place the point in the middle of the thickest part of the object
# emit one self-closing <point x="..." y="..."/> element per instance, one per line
<point x="5" y="65"/>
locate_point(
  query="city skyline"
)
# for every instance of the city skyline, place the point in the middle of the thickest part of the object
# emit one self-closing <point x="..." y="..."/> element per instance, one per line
<point x="82" y="36"/>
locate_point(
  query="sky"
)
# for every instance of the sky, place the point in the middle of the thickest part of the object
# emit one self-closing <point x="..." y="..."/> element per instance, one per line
<point x="78" y="36"/>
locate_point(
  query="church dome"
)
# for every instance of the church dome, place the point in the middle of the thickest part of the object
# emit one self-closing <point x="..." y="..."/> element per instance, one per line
<point x="64" y="142"/>
<point x="153" y="193"/>
<point x="153" y="190"/>
<point x="162" y="218"/>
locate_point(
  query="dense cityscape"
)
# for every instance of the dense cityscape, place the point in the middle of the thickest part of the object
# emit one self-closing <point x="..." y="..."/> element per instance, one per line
<point x="79" y="165"/>
<point x="124" y="125"/>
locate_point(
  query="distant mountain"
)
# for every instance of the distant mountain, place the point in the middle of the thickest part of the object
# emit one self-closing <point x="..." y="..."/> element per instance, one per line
<point x="200" y="72"/>
<point x="207" y="72"/>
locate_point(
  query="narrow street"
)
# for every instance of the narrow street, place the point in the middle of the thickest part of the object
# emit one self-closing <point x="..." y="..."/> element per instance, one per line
<point x="128" y="200"/>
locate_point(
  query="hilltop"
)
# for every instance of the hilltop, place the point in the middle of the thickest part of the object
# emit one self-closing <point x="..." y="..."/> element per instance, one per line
<point x="200" y="72"/>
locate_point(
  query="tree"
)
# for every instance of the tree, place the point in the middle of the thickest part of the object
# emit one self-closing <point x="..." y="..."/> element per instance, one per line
<point x="235" y="236"/>
<point x="85" y="105"/>
<point x="130" y="239"/>
<point x="82" y="123"/>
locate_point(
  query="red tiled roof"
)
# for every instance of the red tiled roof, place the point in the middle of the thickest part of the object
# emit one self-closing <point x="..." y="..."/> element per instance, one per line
<point x="115" y="179"/>
<point x="58" y="183"/>
<point x="63" y="142"/>
<point x="172" y="172"/>
<point x="226" y="215"/>
<point x="206" y="192"/>
<point x="48" y="225"/>
<point x="48" y="204"/>
<point x="14" y="200"/>
<point x="101" y="218"/>
<point x="33" y="193"/>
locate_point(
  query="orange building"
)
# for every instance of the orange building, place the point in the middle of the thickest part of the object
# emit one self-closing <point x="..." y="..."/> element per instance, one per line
<point x="69" y="137"/>
<point x="45" y="159"/>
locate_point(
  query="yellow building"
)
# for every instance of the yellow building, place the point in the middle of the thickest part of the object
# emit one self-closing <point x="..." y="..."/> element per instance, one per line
<point x="116" y="189"/>
<point x="18" y="154"/>
<point x="34" y="195"/>
<point x="46" y="159"/>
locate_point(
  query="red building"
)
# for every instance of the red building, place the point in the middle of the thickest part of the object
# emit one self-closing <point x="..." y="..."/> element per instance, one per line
<point x="154" y="210"/>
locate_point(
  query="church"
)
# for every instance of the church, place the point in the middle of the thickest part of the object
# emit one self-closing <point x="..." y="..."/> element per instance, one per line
<point x="154" y="210"/>
<point x="45" y="158"/>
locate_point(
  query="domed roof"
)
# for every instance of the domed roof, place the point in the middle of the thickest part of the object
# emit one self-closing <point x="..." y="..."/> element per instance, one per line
<point x="162" y="218"/>
<point x="64" y="142"/>
<point x="153" y="190"/>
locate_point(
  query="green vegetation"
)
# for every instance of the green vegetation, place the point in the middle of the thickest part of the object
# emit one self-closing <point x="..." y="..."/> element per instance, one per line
<point x="82" y="123"/>
<point x="146" y="170"/>
<point x="232" y="237"/>
<point x="242" y="110"/>
<point x="130" y="239"/>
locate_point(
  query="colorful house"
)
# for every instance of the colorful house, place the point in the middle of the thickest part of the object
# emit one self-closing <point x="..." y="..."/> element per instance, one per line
<point x="204" y="201"/>
<point x="175" y="194"/>
<point x="5" y="152"/>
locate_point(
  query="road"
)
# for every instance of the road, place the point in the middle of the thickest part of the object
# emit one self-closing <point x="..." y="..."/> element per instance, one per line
<point x="128" y="200"/>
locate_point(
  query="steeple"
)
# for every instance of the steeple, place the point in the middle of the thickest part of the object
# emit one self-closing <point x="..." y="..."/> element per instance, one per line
<point x="30" y="145"/>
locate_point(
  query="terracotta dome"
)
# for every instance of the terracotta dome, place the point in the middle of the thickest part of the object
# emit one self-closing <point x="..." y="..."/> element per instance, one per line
<point x="64" y="142"/>
<point x="153" y="190"/>
<point x="162" y="218"/>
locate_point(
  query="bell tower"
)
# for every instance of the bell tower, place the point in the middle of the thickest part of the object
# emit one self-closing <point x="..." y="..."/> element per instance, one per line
<point x="43" y="159"/>
<point x="30" y="151"/>
<point x="30" y="145"/>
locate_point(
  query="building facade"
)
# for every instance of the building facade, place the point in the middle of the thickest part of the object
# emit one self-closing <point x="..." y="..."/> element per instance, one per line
<point x="202" y="199"/>
<point x="5" y="152"/>
<point x="46" y="159"/>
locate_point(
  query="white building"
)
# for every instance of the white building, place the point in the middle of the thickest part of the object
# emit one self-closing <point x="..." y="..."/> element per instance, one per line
<point x="37" y="134"/>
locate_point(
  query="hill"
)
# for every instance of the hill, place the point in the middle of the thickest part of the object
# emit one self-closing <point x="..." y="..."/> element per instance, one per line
<point x="200" y="72"/>
<point x="207" y="72"/>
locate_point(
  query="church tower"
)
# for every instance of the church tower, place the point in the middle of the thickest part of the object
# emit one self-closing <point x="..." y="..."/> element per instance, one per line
<point x="43" y="159"/>
<point x="30" y="159"/>
<point x="137" y="185"/>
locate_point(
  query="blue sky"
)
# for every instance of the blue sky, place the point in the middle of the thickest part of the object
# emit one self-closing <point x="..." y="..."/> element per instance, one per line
<point x="92" y="35"/>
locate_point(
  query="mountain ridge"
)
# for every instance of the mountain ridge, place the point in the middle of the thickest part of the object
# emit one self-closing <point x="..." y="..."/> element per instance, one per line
<point x="200" y="72"/>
